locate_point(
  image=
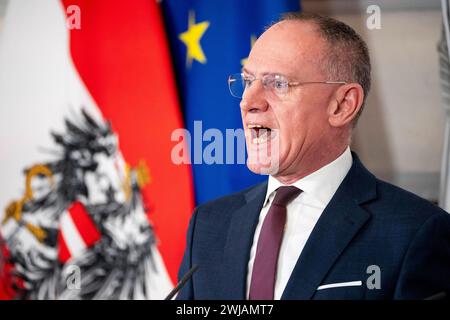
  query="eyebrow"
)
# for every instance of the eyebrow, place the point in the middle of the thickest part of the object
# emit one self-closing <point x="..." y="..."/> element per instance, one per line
<point x="244" y="70"/>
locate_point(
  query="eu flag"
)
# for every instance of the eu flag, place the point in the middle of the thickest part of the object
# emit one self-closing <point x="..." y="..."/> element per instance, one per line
<point x="211" y="39"/>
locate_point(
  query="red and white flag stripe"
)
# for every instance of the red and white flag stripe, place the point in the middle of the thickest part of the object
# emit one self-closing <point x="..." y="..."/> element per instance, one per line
<point x="77" y="232"/>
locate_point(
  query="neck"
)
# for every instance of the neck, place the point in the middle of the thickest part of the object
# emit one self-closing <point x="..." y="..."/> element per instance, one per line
<point x="311" y="161"/>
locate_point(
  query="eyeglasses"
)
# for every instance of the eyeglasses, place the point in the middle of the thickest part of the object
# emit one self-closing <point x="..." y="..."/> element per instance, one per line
<point x="273" y="83"/>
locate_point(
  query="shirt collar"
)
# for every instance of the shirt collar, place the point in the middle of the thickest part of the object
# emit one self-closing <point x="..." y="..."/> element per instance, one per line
<point x="322" y="184"/>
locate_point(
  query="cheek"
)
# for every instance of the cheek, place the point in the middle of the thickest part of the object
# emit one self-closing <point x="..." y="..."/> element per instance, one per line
<point x="297" y="122"/>
<point x="309" y="112"/>
<point x="291" y="130"/>
<point x="291" y="119"/>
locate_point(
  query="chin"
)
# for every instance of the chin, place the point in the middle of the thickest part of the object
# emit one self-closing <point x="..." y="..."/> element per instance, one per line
<point x="263" y="168"/>
<point x="264" y="158"/>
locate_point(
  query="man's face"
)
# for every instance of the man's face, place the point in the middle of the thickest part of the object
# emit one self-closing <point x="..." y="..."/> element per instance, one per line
<point x="299" y="118"/>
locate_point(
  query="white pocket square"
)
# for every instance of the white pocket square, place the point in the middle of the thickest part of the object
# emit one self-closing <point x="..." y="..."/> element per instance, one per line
<point x="341" y="284"/>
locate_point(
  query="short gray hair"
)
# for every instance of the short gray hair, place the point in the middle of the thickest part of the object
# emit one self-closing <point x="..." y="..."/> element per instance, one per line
<point x="347" y="58"/>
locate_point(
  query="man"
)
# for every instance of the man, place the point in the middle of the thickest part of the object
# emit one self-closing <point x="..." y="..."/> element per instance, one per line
<point x="322" y="227"/>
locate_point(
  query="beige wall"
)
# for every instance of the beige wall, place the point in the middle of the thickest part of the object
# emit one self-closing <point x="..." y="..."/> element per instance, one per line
<point x="400" y="134"/>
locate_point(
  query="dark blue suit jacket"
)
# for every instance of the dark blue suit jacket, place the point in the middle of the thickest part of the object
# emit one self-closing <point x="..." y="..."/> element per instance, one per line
<point x="367" y="222"/>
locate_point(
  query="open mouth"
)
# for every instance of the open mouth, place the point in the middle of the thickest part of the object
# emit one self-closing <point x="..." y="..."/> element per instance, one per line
<point x="260" y="134"/>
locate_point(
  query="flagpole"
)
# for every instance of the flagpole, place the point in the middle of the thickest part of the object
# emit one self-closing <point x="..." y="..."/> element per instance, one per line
<point x="444" y="198"/>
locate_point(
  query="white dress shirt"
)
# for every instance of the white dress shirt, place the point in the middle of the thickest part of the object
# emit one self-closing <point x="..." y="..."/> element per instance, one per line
<point x="302" y="215"/>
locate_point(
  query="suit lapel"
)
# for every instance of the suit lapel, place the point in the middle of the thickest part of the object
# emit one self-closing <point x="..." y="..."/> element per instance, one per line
<point x="239" y="242"/>
<point x="339" y="223"/>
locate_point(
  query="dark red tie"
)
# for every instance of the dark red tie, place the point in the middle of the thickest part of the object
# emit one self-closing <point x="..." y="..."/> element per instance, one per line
<point x="264" y="272"/>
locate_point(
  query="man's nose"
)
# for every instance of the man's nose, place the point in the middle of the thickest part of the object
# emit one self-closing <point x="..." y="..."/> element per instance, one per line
<point x="254" y="98"/>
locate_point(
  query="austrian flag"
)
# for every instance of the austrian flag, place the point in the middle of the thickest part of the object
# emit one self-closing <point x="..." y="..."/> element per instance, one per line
<point x="88" y="188"/>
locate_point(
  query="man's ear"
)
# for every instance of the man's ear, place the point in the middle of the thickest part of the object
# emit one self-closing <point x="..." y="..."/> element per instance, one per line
<point x="345" y="104"/>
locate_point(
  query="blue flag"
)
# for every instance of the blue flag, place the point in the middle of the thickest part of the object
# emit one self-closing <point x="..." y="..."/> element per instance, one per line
<point x="211" y="39"/>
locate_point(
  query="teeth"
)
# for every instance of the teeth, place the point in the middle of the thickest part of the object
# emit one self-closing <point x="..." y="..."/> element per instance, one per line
<point x="258" y="140"/>
<point x="261" y="139"/>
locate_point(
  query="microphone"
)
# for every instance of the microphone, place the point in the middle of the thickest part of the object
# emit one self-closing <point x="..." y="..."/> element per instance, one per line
<point x="438" y="296"/>
<point x="182" y="282"/>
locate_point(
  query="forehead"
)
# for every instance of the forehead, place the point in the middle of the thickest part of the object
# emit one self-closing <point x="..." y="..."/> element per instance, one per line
<point x="287" y="47"/>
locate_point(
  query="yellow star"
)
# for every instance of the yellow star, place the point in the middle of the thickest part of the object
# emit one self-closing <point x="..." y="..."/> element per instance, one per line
<point x="252" y="42"/>
<point x="191" y="38"/>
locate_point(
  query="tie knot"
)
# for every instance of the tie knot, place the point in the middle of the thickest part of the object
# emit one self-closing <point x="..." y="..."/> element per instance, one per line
<point x="285" y="194"/>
